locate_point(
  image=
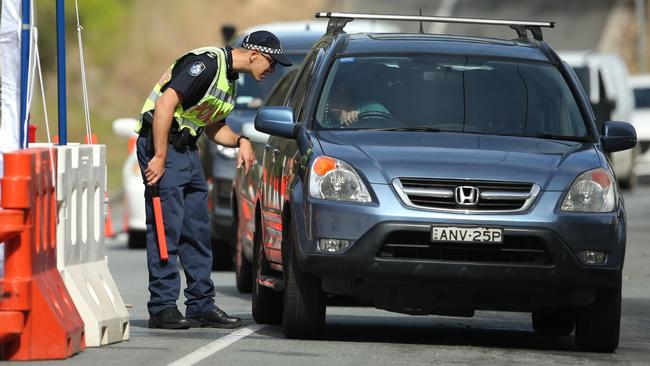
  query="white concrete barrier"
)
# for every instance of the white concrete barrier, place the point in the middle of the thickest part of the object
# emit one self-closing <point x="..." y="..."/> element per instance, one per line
<point x="81" y="187"/>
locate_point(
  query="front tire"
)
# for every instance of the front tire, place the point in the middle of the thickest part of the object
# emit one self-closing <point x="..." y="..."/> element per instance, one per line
<point x="267" y="303"/>
<point x="554" y="321"/>
<point x="304" y="300"/>
<point x="598" y="325"/>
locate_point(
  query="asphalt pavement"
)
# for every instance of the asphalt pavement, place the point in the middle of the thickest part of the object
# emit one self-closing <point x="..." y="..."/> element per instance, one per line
<point x="366" y="336"/>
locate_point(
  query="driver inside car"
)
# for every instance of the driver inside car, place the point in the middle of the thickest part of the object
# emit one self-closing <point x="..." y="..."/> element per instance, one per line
<point x="343" y="108"/>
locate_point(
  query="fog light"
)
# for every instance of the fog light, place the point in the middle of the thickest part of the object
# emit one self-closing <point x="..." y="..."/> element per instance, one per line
<point x="333" y="245"/>
<point x="591" y="257"/>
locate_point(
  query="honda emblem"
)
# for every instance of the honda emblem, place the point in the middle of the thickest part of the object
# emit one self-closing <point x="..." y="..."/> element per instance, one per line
<point x="466" y="195"/>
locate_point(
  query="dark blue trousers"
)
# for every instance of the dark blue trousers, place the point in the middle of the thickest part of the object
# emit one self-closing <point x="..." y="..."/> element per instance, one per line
<point x="184" y="200"/>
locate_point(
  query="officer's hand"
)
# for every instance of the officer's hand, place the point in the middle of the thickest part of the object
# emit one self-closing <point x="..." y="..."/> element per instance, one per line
<point x="155" y="170"/>
<point x="245" y="156"/>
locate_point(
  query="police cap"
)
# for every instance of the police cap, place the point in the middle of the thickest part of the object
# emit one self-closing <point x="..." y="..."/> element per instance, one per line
<point x="267" y="43"/>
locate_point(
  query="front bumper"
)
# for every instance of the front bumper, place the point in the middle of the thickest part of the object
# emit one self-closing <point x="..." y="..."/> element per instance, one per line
<point x="542" y="268"/>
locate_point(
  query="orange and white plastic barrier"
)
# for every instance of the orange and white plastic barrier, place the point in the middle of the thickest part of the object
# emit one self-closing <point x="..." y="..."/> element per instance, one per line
<point x="80" y="193"/>
<point x="38" y="319"/>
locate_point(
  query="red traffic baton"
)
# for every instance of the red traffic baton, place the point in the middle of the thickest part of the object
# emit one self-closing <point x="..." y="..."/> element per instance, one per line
<point x="160" y="228"/>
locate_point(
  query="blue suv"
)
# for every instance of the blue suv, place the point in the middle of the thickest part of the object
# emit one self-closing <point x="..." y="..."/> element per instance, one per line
<point x="439" y="174"/>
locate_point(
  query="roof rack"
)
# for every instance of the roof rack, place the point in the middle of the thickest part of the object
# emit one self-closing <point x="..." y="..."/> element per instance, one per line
<point x="339" y="20"/>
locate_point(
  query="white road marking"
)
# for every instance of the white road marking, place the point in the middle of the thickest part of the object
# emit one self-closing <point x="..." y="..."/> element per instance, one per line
<point x="445" y="9"/>
<point x="216" y="346"/>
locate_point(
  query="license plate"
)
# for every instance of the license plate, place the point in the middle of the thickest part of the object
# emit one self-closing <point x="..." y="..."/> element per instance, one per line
<point x="466" y="234"/>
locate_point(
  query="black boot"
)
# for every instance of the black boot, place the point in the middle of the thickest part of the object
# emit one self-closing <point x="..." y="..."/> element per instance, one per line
<point x="169" y="318"/>
<point x="215" y="318"/>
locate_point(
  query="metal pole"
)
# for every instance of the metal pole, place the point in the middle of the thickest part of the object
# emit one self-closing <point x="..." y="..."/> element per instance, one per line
<point x="60" y="67"/>
<point x="641" y="45"/>
<point x="25" y="40"/>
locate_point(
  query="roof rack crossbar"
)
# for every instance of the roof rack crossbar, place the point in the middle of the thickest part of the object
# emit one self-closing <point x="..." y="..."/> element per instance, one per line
<point x="521" y="32"/>
<point x="339" y="20"/>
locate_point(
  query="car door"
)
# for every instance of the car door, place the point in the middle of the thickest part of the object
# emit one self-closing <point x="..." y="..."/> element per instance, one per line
<point x="278" y="159"/>
<point x="246" y="185"/>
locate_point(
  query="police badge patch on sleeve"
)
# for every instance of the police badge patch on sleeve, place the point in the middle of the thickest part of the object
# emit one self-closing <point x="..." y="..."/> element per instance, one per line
<point x="196" y="68"/>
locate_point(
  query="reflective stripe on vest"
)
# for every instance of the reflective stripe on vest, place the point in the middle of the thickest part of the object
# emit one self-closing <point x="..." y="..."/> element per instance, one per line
<point x="216" y="104"/>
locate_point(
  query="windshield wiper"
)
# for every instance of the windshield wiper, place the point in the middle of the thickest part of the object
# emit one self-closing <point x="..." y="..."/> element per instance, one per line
<point x="418" y="128"/>
<point x="550" y="136"/>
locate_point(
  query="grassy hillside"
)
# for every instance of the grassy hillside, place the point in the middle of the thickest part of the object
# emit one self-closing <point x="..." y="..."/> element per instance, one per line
<point x="127" y="45"/>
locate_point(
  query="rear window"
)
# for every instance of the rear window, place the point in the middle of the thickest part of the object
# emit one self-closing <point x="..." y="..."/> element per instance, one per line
<point x="458" y="94"/>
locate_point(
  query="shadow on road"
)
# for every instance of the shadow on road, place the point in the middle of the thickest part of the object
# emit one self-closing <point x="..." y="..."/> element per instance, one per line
<point x="440" y="331"/>
<point x="351" y="329"/>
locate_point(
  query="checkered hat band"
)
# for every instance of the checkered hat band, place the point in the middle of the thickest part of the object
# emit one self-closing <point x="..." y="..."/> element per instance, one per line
<point x="274" y="51"/>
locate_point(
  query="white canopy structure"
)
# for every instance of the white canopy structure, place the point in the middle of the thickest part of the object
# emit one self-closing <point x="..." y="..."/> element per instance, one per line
<point x="10" y="28"/>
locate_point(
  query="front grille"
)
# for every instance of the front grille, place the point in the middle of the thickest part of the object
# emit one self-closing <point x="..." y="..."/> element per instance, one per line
<point x="518" y="249"/>
<point x="440" y="194"/>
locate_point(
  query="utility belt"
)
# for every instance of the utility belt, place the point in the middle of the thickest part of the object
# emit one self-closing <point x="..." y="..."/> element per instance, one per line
<point x="180" y="140"/>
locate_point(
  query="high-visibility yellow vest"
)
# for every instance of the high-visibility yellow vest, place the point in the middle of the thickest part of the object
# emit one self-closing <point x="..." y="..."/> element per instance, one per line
<point x="216" y="104"/>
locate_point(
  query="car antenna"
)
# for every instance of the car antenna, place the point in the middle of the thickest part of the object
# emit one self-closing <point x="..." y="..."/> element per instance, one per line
<point x="421" y="26"/>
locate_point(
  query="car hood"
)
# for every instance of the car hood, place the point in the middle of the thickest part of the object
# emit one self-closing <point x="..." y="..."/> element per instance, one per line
<point x="381" y="156"/>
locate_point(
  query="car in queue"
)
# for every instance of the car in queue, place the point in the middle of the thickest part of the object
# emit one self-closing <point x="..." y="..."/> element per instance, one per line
<point x="605" y="79"/>
<point x="132" y="187"/>
<point x="439" y="174"/>
<point x="219" y="161"/>
<point x="641" y="121"/>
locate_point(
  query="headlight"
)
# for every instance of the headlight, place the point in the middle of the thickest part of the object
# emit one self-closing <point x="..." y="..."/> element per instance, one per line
<point x="593" y="191"/>
<point x="228" y="152"/>
<point x="332" y="179"/>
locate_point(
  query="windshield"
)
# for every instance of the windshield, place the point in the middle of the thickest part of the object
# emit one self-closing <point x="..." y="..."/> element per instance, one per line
<point x="445" y="93"/>
<point x="642" y="97"/>
<point x="251" y="94"/>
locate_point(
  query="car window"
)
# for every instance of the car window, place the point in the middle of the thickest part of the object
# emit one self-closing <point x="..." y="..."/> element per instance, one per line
<point x="642" y="97"/>
<point x="449" y="93"/>
<point x="301" y="88"/>
<point x="251" y="94"/>
<point x="276" y="96"/>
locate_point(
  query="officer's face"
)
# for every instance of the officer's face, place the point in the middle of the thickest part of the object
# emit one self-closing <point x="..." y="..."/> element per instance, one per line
<point x="262" y="65"/>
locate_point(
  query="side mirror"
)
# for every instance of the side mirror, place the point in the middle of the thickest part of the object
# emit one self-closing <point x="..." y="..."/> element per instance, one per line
<point x="617" y="136"/>
<point x="248" y="130"/>
<point x="276" y="121"/>
<point x="124" y="127"/>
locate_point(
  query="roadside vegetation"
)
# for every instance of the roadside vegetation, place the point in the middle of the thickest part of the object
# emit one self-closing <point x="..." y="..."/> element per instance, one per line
<point x="127" y="45"/>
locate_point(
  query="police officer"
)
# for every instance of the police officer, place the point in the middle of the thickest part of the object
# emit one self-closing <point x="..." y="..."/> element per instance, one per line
<point x="195" y="94"/>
